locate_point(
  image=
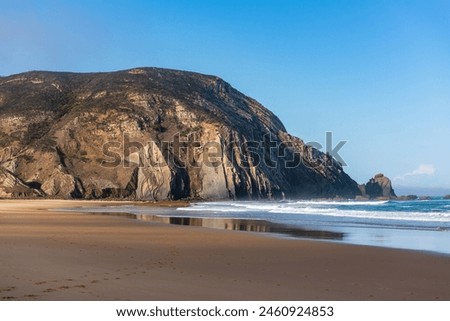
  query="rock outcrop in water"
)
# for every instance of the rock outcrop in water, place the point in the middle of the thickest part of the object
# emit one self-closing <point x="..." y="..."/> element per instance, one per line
<point x="379" y="186"/>
<point x="407" y="197"/>
<point x="151" y="134"/>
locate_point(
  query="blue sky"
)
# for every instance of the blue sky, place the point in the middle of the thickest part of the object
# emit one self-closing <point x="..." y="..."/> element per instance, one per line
<point x="375" y="73"/>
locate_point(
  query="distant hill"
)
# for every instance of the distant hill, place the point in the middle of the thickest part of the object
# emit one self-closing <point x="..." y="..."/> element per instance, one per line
<point x="151" y="134"/>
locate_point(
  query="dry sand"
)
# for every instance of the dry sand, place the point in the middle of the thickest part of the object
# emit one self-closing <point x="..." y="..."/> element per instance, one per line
<point x="68" y="256"/>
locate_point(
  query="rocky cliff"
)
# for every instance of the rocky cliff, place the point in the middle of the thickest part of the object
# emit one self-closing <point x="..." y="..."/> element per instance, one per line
<point x="151" y="134"/>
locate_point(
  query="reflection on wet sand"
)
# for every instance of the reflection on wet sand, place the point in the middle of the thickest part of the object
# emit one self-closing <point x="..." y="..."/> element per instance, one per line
<point x="235" y="225"/>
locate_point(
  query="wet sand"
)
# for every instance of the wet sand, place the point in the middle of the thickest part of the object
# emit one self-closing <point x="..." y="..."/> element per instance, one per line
<point x="48" y="255"/>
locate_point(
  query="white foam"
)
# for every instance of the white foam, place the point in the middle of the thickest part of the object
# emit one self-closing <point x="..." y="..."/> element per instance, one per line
<point x="320" y="208"/>
<point x="345" y="203"/>
<point x="378" y="215"/>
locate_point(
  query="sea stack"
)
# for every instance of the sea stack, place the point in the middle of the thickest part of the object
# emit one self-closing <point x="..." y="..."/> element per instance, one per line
<point x="379" y="186"/>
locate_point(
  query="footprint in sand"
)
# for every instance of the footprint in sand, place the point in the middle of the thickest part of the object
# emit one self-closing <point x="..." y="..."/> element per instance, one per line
<point x="65" y="287"/>
<point x="40" y="282"/>
<point x="7" y="289"/>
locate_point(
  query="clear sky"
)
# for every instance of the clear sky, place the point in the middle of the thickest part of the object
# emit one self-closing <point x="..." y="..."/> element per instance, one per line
<point x="375" y="73"/>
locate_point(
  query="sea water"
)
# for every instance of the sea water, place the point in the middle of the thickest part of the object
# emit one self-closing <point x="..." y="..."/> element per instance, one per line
<point x="416" y="225"/>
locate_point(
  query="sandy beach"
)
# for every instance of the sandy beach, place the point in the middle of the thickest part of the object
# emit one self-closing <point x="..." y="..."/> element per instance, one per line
<point x="51" y="255"/>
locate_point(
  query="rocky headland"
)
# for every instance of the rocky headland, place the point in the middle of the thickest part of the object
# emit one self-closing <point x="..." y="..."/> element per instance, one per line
<point x="153" y="134"/>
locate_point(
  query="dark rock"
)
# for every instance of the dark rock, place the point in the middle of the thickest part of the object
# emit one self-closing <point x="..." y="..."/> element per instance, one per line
<point x="447" y="197"/>
<point x="407" y="197"/>
<point x="152" y="134"/>
<point x="425" y="198"/>
<point x="379" y="186"/>
<point x="362" y="189"/>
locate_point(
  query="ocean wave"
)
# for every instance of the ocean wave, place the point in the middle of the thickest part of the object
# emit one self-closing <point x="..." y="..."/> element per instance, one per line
<point x="243" y="206"/>
<point x="345" y="203"/>
<point x="374" y="215"/>
<point x="210" y="209"/>
<point x="352" y="209"/>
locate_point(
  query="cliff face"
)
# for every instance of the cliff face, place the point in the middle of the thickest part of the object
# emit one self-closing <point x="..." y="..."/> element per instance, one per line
<point x="151" y="134"/>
